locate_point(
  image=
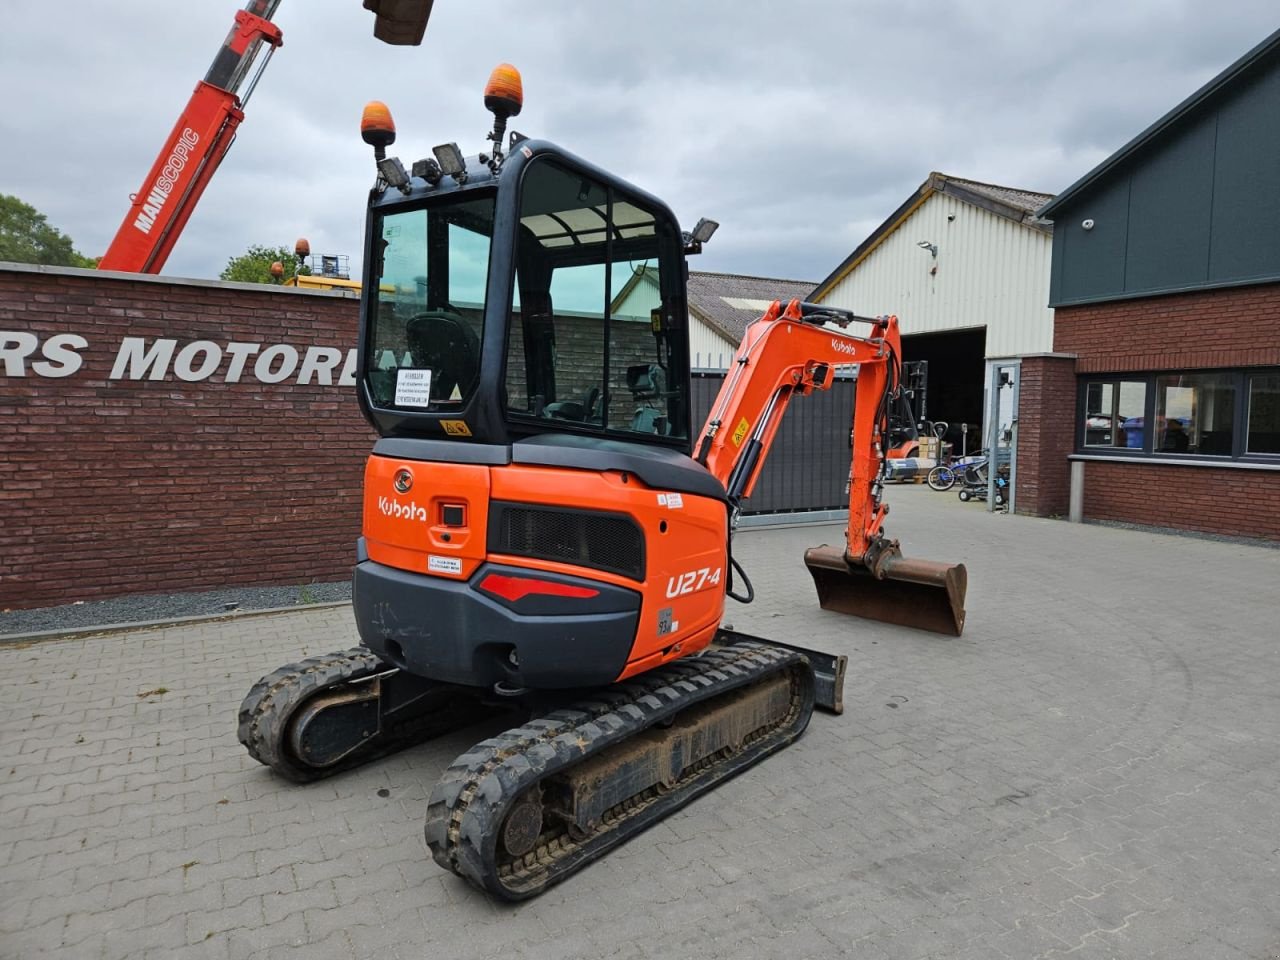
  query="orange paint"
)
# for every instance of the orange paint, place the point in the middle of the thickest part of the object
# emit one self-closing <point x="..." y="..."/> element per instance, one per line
<point x="685" y="559"/>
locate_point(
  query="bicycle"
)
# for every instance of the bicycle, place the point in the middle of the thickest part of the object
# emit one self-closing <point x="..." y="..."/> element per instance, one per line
<point x="942" y="478"/>
<point x="946" y="475"/>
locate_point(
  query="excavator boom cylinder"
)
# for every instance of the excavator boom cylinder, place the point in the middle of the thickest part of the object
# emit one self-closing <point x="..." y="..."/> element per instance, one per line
<point x="923" y="594"/>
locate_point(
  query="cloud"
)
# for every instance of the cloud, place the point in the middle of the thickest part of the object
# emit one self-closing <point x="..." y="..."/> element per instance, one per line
<point x="798" y="126"/>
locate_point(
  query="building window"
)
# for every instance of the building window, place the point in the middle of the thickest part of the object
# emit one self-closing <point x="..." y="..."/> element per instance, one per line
<point x="1264" y="414"/>
<point x="1195" y="413"/>
<point x="1216" y="414"/>
<point x="1108" y="406"/>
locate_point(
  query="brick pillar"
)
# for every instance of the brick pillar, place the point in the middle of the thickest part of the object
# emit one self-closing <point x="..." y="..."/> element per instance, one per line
<point x="1046" y="433"/>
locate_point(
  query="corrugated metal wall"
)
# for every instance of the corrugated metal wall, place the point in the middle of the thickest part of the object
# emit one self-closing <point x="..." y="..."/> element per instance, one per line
<point x="707" y="348"/>
<point x="991" y="272"/>
<point x="808" y="467"/>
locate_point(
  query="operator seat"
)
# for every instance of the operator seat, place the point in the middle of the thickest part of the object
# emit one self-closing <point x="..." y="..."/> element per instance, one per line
<point x="444" y="343"/>
<point x="648" y="383"/>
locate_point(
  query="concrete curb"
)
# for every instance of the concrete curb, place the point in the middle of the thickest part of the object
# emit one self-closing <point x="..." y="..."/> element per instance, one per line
<point x="81" y="633"/>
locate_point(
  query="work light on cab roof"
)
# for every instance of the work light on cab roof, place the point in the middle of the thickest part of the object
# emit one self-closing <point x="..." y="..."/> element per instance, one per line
<point x="503" y="97"/>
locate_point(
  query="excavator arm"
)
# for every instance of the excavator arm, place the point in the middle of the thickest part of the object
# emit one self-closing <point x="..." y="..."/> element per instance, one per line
<point x="790" y="352"/>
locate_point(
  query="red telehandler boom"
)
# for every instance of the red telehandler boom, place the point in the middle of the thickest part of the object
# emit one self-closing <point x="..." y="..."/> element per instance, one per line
<point x="206" y="129"/>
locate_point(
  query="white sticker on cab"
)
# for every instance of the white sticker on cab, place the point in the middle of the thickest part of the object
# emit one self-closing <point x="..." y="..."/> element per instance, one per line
<point x="413" y="388"/>
<point x="444" y="564"/>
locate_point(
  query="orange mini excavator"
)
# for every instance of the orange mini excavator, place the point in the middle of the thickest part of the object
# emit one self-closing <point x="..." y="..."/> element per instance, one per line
<point x="544" y="530"/>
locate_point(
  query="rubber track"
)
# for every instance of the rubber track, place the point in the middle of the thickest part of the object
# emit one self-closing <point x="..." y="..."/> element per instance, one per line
<point x="271" y="702"/>
<point x="469" y="803"/>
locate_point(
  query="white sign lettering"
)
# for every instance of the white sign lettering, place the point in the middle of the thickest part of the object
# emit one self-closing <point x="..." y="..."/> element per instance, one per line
<point x="140" y="358"/>
<point x="59" y="352"/>
<point x="288" y="358"/>
<point x="183" y="369"/>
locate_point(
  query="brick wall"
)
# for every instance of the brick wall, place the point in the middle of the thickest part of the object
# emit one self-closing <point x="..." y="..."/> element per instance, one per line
<point x="1213" y="328"/>
<point x="1241" y="503"/>
<point x="1046" y="432"/>
<point x="117" y="486"/>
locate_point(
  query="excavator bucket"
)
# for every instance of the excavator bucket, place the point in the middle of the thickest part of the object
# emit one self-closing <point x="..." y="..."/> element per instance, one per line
<point x="913" y="593"/>
<point x="401" y="23"/>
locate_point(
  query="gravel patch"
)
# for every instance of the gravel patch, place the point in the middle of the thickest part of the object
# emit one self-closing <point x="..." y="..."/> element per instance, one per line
<point x="145" y="608"/>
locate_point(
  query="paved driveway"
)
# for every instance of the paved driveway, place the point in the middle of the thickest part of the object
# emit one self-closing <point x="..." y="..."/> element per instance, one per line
<point x="1091" y="771"/>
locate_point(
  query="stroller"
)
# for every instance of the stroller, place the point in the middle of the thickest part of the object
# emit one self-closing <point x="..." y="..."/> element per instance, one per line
<point x="974" y="482"/>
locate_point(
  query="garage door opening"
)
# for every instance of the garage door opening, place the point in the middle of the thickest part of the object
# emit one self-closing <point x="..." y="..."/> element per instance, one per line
<point x="955" y="381"/>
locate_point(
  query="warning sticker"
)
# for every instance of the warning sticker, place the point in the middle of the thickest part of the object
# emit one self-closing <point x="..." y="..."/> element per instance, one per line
<point x="413" y="388"/>
<point x="740" y="432"/>
<point x="444" y="564"/>
<point x="672" y="501"/>
<point x="456" y="428"/>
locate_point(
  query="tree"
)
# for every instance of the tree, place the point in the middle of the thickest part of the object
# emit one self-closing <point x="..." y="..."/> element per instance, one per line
<point x="26" y="237"/>
<point x="254" y="266"/>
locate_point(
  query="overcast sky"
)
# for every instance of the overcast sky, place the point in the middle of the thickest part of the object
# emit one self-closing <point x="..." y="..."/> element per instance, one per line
<point x="798" y="125"/>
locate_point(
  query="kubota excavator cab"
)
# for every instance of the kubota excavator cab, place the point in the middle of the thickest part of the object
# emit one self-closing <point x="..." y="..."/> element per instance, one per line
<point x="524" y="357"/>
<point x="504" y="306"/>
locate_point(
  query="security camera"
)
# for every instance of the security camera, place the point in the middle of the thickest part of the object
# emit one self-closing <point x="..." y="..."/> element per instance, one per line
<point x="1088" y="224"/>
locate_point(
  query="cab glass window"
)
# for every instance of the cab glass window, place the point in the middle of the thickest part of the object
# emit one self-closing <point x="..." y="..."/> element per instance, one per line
<point x="424" y="347"/>
<point x="597" y="341"/>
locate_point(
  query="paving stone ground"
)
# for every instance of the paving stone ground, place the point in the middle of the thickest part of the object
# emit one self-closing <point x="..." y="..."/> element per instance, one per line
<point x="1090" y="772"/>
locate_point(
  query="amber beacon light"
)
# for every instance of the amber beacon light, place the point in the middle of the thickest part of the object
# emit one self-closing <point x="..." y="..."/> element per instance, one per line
<point x="504" y="93"/>
<point x="376" y="126"/>
<point x="503" y="97"/>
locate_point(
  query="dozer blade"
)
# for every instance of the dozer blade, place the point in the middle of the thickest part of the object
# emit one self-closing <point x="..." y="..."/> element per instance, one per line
<point x="828" y="668"/>
<point x="912" y="593"/>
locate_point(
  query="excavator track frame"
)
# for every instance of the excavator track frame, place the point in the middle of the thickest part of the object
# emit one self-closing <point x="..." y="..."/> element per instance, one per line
<point x="470" y="810"/>
<point x="373" y="707"/>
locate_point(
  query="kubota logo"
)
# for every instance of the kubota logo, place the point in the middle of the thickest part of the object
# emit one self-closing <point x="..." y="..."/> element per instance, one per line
<point x="843" y="347"/>
<point x="402" y="511"/>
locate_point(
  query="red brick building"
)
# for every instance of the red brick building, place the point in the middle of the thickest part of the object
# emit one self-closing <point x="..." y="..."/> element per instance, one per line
<point x="1161" y="402"/>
